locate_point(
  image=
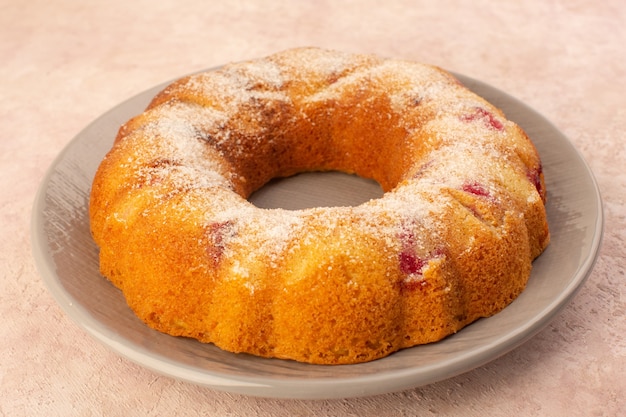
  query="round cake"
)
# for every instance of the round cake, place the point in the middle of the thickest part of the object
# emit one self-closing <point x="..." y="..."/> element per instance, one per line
<point x="451" y="240"/>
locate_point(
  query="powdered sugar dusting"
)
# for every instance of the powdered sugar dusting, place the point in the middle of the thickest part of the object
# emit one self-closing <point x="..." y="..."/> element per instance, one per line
<point x="238" y="84"/>
<point x="266" y="233"/>
<point x="223" y="114"/>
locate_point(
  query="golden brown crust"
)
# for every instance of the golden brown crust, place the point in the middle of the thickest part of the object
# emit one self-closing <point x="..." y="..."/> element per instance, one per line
<point x="452" y="239"/>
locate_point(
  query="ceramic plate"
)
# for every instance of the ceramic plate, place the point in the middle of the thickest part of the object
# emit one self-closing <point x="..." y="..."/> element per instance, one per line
<point x="68" y="261"/>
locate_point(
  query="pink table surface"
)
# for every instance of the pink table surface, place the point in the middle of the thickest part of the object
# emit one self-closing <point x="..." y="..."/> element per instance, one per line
<point x="63" y="63"/>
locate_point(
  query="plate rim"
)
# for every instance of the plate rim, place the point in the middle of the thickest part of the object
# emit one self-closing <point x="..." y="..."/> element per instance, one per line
<point x="307" y="387"/>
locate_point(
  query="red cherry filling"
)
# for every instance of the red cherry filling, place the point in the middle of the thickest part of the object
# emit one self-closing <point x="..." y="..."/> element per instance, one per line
<point x="476" y="189"/>
<point x="217" y="234"/>
<point x="410" y="264"/>
<point x="534" y="175"/>
<point x="486" y="117"/>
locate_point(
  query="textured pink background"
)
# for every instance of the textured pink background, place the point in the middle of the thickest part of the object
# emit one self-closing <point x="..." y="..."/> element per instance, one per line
<point x="63" y="63"/>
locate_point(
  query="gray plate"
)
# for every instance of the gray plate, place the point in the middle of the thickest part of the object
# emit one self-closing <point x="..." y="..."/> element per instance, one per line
<point x="68" y="262"/>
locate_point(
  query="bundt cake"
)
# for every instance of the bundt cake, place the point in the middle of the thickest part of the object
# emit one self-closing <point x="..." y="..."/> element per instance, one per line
<point x="451" y="240"/>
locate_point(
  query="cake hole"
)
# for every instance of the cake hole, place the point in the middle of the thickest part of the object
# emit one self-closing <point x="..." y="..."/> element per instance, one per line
<point x="316" y="189"/>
